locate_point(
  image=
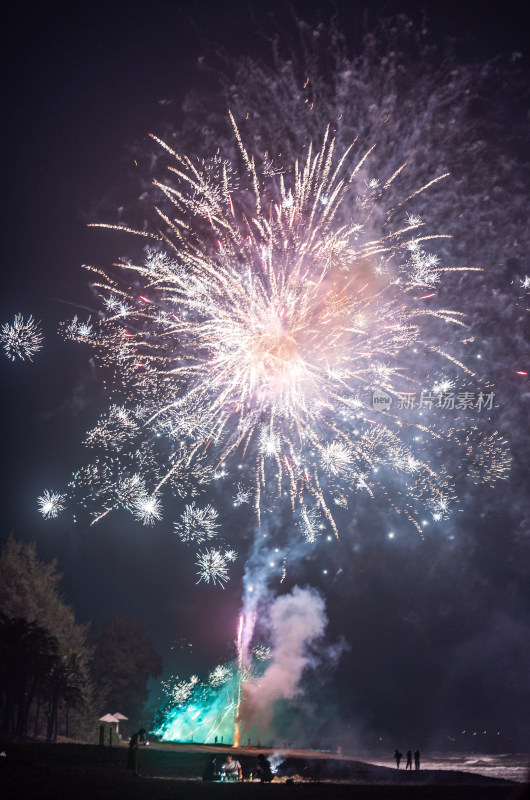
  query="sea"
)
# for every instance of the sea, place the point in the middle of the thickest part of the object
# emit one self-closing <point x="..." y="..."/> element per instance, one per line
<point x="509" y="766"/>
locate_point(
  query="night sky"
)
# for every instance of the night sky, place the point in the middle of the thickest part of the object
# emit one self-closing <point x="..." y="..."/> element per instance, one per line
<point x="434" y="632"/>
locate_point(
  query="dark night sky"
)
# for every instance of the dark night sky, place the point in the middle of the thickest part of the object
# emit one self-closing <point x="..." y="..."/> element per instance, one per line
<point x="80" y="87"/>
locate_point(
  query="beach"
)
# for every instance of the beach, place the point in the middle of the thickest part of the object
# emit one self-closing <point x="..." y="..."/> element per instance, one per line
<point x="82" y="772"/>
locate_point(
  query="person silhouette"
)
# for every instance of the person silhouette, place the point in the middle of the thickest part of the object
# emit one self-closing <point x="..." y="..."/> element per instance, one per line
<point x="409" y="760"/>
<point x="133" y="757"/>
<point x="398" y="756"/>
<point x="263" y="769"/>
<point x="417" y="759"/>
<point x="210" y="770"/>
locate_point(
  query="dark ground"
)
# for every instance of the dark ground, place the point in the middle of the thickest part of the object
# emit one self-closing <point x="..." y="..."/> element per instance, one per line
<point x="84" y="772"/>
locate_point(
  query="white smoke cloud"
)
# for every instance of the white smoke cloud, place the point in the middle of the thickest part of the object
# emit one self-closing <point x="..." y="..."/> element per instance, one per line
<point x="297" y="621"/>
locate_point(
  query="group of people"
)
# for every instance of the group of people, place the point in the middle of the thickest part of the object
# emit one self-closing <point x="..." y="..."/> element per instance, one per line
<point x="398" y="756"/>
<point x="231" y="770"/>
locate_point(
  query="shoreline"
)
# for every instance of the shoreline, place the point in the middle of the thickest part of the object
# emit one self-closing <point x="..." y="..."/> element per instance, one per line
<point x="83" y="771"/>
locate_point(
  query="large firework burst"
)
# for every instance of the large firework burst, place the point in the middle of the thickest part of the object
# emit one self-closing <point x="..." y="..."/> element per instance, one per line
<point x="271" y="310"/>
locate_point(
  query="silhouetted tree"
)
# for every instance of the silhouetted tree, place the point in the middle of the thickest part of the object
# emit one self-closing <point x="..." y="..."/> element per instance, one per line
<point x="29" y="590"/>
<point x="126" y="659"/>
<point x="28" y="658"/>
<point x="65" y="690"/>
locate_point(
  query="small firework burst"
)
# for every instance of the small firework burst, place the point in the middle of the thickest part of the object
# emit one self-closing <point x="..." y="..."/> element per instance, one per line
<point x="336" y="458"/>
<point x="148" y="509"/>
<point x="262" y="652"/>
<point x="51" y="504"/>
<point x="76" y="330"/>
<point x="242" y="495"/>
<point x="130" y="490"/>
<point x="220" y="675"/>
<point x="198" y="524"/>
<point x="213" y="566"/>
<point x="22" y="339"/>
<point x="440" y="508"/>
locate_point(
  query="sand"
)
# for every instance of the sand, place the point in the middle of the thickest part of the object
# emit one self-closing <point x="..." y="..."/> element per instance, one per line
<point x="78" y="772"/>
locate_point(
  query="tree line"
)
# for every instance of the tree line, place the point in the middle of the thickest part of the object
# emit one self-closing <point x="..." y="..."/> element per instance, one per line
<point x="58" y="677"/>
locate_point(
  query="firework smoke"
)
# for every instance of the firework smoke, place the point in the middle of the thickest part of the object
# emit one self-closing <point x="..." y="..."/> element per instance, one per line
<point x="296" y="621"/>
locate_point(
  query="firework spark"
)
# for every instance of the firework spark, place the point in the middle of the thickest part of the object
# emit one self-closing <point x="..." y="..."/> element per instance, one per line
<point x="221" y="674"/>
<point x="77" y="331"/>
<point x="147" y="509"/>
<point x="213" y="565"/>
<point x="51" y="504"/>
<point x="22" y="339"/>
<point x="198" y="524"/>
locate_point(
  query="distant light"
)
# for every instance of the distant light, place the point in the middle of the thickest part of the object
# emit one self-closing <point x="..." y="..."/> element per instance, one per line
<point x="391" y="535"/>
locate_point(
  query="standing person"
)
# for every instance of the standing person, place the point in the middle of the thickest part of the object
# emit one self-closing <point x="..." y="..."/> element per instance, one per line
<point x="417" y="759"/>
<point x="398" y="756"/>
<point x="409" y="760"/>
<point x="133" y="756"/>
<point x="232" y="769"/>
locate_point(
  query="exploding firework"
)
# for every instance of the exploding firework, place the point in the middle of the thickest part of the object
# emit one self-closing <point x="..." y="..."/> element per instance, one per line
<point x="196" y="711"/>
<point x="220" y="675"/>
<point x="22" y="339"/>
<point x="147" y="509"/>
<point x="261" y="330"/>
<point x="213" y="565"/>
<point x="51" y="504"/>
<point x="198" y="524"/>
